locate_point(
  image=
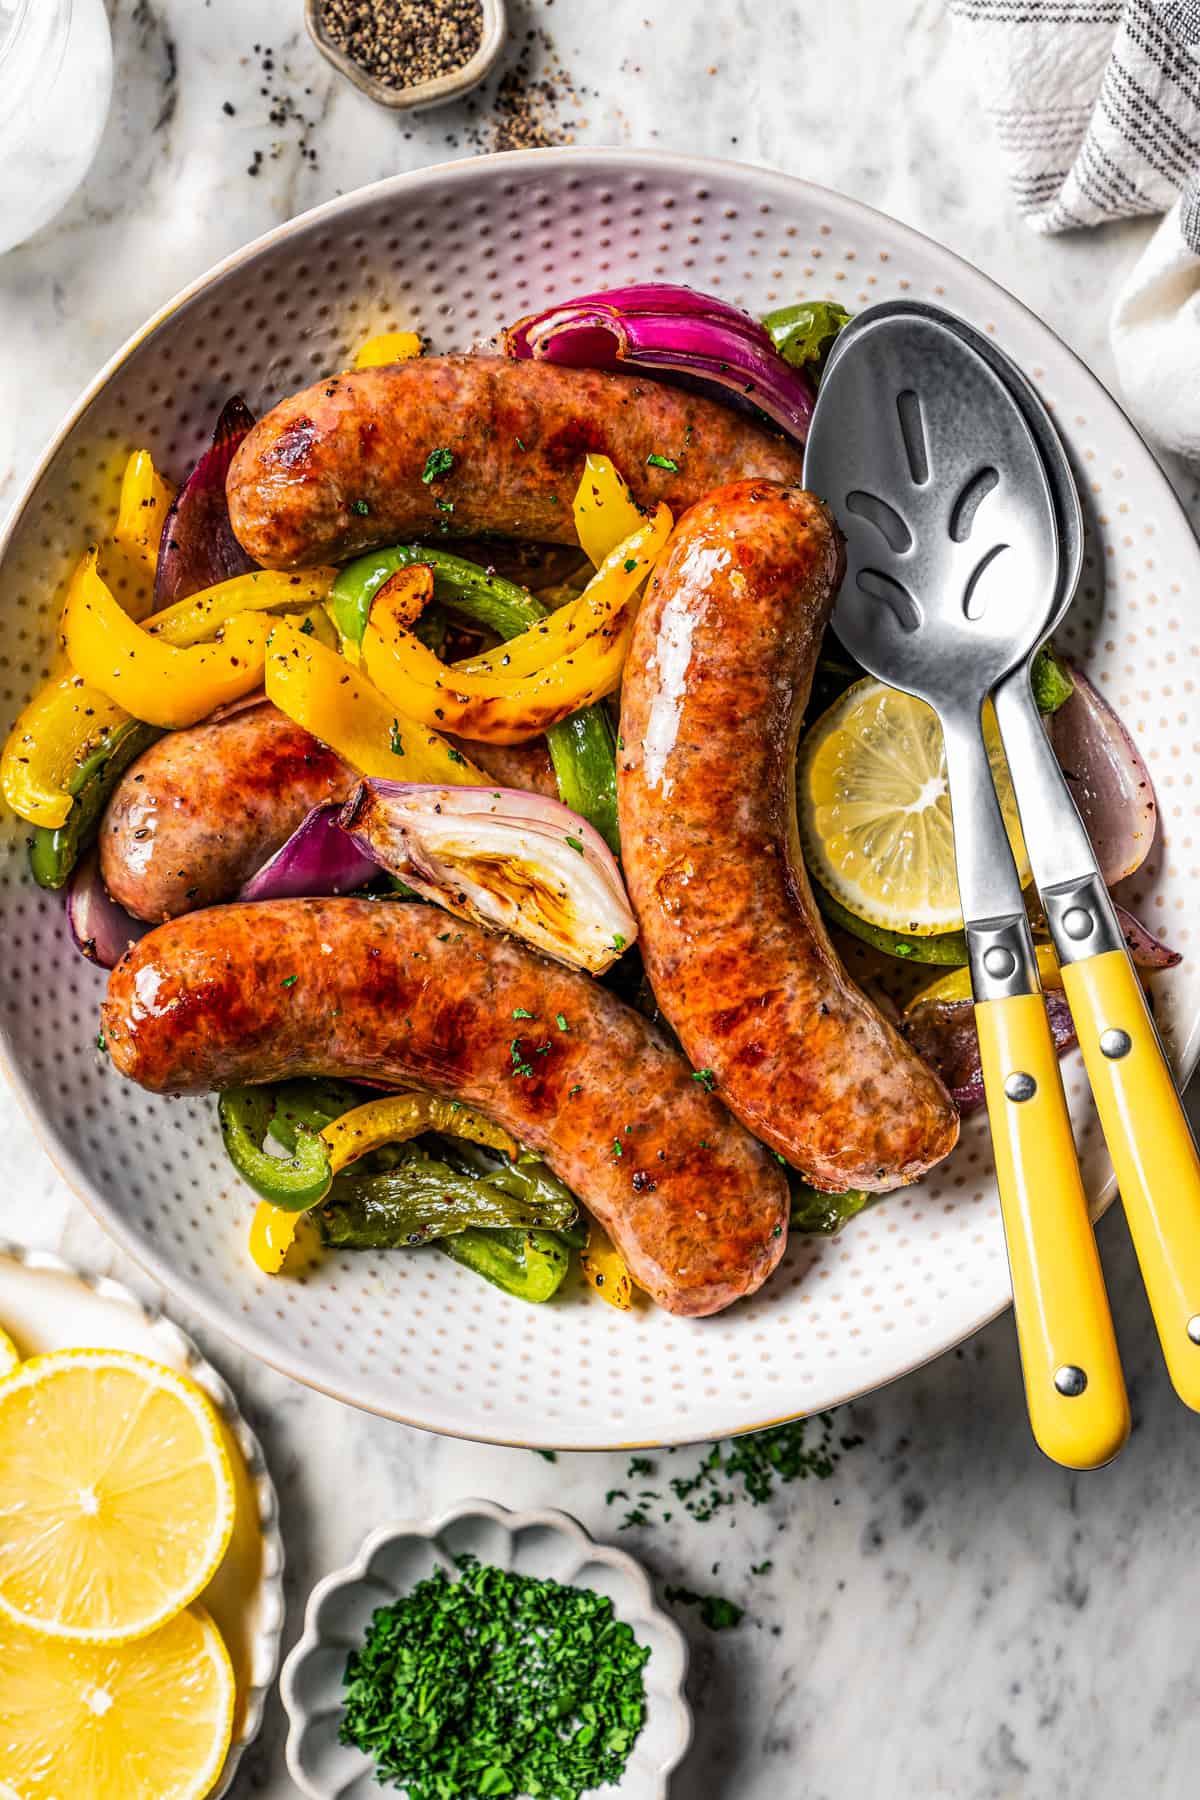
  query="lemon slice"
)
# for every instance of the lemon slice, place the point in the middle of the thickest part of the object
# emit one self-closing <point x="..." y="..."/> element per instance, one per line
<point x="150" y="1720"/>
<point x="116" y="1495"/>
<point x="875" y="809"/>
<point x="9" y="1358"/>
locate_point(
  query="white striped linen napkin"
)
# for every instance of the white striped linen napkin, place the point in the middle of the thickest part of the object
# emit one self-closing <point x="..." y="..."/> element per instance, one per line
<point x="1096" y="105"/>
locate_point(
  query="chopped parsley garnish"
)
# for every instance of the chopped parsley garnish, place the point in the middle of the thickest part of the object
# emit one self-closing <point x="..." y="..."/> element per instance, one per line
<point x="577" y="1089"/>
<point x="617" y="1149"/>
<point x="307" y="629"/>
<point x="359" y="506"/>
<point x="762" y="1568"/>
<point x="438" y="462"/>
<point x="618" y="941"/>
<point x="289" y="981"/>
<point x="639" y="1465"/>
<point x="575" y="844"/>
<point x="520" y="443"/>
<point x="519" y="1064"/>
<point x="716" y="1612"/>
<point x="495" y="1683"/>
<point x="444" y="505"/>
<point x="520" y="1013"/>
<point x="662" y="462"/>
<point x="100" y="1043"/>
<point x="561" y="1021"/>
<point x="456" y="756"/>
<point x="630" y="564"/>
<point x="706" y="1078"/>
<point x="395" y="740"/>
<point x="547" y="1455"/>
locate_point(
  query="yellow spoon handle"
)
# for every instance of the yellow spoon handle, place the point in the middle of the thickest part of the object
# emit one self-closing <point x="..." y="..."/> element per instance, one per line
<point x="1152" y="1148"/>
<point x="1074" y="1387"/>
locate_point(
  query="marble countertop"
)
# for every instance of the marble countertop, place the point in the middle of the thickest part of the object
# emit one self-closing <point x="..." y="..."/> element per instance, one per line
<point x="947" y="1614"/>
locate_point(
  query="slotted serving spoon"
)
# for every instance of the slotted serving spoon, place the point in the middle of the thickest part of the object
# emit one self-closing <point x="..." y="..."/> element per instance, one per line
<point x="952" y="581"/>
<point x="1143" y="1120"/>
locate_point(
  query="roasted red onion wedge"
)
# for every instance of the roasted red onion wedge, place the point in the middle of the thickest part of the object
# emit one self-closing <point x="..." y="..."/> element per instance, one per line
<point x="943" y="1033"/>
<point x="100" y="929"/>
<point x="513" y="861"/>
<point x="318" y="859"/>
<point x="1148" y="952"/>
<point x="671" y="331"/>
<point x="198" y="548"/>
<point x="1110" y="783"/>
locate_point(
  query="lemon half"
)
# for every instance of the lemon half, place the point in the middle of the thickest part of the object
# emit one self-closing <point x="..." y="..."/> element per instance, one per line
<point x="10" y="1356"/>
<point x="149" y="1720"/>
<point x="874" y="809"/>
<point x="116" y="1495"/>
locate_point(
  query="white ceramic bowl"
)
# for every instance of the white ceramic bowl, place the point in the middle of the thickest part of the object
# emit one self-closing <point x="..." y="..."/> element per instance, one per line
<point x="391" y="1562"/>
<point x="47" y="1304"/>
<point x="454" y="252"/>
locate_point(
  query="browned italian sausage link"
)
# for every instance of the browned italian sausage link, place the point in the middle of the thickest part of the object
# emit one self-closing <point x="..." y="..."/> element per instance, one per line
<point x="341" y="467"/>
<point x="526" y="766"/>
<point x="717" y="679"/>
<point x="384" y="991"/>
<point x="203" y="809"/>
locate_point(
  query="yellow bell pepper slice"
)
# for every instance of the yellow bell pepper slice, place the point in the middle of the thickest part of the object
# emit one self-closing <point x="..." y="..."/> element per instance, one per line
<point x="144" y="503"/>
<point x="605" y="511"/>
<point x="388" y="347"/>
<point x="47" y="743"/>
<point x="611" y="588"/>
<point x="274" y="1232"/>
<point x="319" y="689"/>
<point x="480" y="706"/>
<point x="397" y="1117"/>
<point x="604" y="1268"/>
<point x="198" y="619"/>
<point x="392" y="1119"/>
<point x="152" y="680"/>
<point x="528" y="684"/>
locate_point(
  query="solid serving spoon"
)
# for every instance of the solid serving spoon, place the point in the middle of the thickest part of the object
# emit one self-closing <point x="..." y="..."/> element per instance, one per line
<point x="925" y="457"/>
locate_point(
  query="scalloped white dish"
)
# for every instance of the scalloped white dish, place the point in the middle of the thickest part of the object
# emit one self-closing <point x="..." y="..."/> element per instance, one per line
<point x="547" y="1544"/>
<point x="454" y="253"/>
<point x="47" y="1304"/>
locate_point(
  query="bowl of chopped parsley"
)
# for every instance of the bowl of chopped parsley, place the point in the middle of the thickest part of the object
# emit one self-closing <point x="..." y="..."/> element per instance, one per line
<point x="486" y="1652"/>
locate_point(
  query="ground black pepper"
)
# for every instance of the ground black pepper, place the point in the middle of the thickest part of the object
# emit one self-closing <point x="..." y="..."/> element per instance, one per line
<point x="403" y="42"/>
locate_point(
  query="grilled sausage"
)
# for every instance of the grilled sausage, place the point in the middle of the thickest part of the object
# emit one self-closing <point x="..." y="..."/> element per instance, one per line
<point x="526" y="766"/>
<point x="350" y="463"/>
<point x="195" y="816"/>
<point x="203" y="809"/>
<point x="383" y="991"/>
<point x="742" y="967"/>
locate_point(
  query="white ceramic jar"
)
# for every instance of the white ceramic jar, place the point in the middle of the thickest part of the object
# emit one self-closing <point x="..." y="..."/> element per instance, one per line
<point x="55" y="88"/>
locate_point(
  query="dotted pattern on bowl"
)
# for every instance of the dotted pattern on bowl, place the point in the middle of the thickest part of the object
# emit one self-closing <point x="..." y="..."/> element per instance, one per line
<point x="454" y="253"/>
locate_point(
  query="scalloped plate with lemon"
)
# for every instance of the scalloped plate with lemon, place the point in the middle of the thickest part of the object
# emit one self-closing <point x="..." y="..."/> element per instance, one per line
<point x="140" y="1600"/>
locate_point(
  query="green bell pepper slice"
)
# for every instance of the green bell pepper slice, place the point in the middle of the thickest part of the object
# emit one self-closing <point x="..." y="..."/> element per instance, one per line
<point x="530" y="1265"/>
<point x="293" y="1182"/>
<point x="54" y="851"/>
<point x="582" y="746"/>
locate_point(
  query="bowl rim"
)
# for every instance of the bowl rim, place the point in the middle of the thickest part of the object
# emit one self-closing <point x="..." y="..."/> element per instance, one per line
<point x="268" y="1640"/>
<point x="71" y="1168"/>
<point x="512" y="1521"/>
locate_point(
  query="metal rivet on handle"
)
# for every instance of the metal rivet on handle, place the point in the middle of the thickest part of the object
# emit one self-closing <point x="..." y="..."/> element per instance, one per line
<point x="1020" y="1086"/>
<point x="1193" y="1328"/>
<point x="1115" y="1043"/>
<point x="1070" y="1381"/>
<point x="1078" y="922"/>
<point x="999" y="961"/>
